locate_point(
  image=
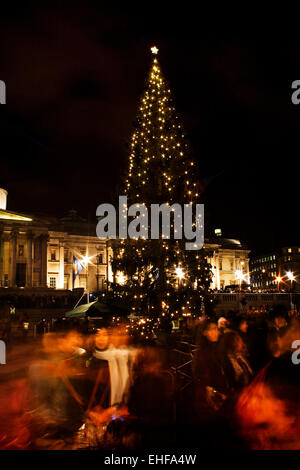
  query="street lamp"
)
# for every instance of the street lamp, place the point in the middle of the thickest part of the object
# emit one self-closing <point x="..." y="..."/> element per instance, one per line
<point x="240" y="276"/>
<point x="291" y="277"/>
<point x="85" y="261"/>
<point x="179" y="274"/>
<point x="121" y="279"/>
<point x="278" y="280"/>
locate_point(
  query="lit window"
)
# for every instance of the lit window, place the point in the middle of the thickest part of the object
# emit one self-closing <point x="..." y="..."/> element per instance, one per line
<point x="52" y="282"/>
<point x="289" y="250"/>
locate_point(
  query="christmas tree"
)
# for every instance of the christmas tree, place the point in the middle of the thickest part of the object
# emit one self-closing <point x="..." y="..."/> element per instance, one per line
<point x="160" y="278"/>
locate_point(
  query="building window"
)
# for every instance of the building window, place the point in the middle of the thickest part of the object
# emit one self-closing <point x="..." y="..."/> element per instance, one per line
<point x="66" y="282"/>
<point x="53" y="254"/>
<point x="82" y="281"/>
<point x="100" y="258"/>
<point x="66" y="256"/>
<point x="289" y="250"/>
<point x="220" y="265"/>
<point x="52" y="282"/>
<point x="21" y="250"/>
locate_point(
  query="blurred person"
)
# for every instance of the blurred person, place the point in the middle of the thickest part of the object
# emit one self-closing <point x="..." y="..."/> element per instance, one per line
<point x="56" y="405"/>
<point x="210" y="423"/>
<point x="277" y="330"/>
<point x="235" y="363"/>
<point x="207" y="368"/>
<point x="268" y="409"/>
<point x="242" y="328"/>
<point x="110" y="367"/>
<point x="151" y="398"/>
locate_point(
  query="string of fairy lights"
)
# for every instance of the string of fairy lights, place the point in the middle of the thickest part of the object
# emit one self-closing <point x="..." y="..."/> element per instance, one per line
<point x="160" y="165"/>
<point x="154" y="114"/>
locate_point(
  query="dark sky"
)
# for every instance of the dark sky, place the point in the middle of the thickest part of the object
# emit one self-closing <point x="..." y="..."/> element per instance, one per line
<point x="74" y="75"/>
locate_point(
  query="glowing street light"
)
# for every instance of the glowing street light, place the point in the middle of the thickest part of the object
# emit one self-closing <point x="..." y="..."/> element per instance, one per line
<point x="290" y="276"/>
<point x="278" y="280"/>
<point x="179" y="273"/>
<point x="86" y="260"/>
<point x="121" y="279"/>
<point x="240" y="276"/>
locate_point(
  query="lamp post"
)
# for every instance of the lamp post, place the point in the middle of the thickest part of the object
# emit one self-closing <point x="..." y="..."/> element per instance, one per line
<point x="278" y="280"/>
<point x="291" y="277"/>
<point x="86" y="260"/>
<point x="239" y="276"/>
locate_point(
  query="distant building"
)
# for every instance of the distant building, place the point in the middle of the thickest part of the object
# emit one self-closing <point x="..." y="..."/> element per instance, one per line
<point x="230" y="262"/>
<point x="271" y="271"/>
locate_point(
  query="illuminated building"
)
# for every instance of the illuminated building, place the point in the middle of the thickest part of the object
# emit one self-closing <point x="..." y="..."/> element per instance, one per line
<point x="269" y="271"/>
<point x="227" y="256"/>
<point x="37" y="252"/>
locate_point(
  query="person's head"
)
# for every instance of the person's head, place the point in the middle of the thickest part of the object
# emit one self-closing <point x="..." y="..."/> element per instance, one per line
<point x="243" y="325"/>
<point x="102" y="338"/>
<point x="211" y="331"/>
<point x="71" y="341"/>
<point x="119" y="336"/>
<point x="280" y="321"/>
<point x="233" y="343"/>
<point x="222" y="323"/>
<point x="50" y="342"/>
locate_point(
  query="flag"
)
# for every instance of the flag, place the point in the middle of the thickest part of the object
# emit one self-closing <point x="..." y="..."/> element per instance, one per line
<point x="77" y="268"/>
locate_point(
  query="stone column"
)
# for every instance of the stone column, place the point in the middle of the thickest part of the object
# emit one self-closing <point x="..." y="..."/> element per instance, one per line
<point x="44" y="261"/>
<point x="13" y="245"/>
<point x="29" y="259"/>
<point x="61" y="265"/>
<point x="218" y="283"/>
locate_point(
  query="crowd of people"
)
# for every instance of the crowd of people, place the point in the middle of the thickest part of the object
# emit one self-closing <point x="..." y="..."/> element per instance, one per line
<point x="101" y="391"/>
<point x="247" y="357"/>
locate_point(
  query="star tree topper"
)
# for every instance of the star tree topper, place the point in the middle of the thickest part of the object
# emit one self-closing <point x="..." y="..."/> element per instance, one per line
<point x="154" y="50"/>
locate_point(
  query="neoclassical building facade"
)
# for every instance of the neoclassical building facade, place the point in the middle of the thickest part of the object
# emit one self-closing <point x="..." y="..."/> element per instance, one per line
<point x="38" y="252"/>
<point x="230" y="262"/>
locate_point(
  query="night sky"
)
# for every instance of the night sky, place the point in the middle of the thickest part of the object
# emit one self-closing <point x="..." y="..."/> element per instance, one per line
<point x="74" y="76"/>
